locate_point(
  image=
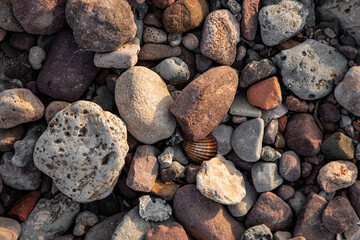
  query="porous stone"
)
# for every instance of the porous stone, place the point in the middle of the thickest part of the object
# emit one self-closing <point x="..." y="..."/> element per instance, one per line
<point x="36" y="57"/>
<point x="9" y="137"/>
<point x="9" y="229"/>
<point x="7" y="18"/>
<point x="173" y="70"/>
<point x="154" y="209"/>
<point x="261" y="232"/>
<point x="83" y="222"/>
<point x="265" y="176"/>
<point x="152" y="51"/>
<point x="241" y="107"/>
<point x="173" y="231"/>
<point x="222" y="134"/>
<point x="311" y="69"/>
<point x="154" y="35"/>
<point x="242" y="208"/>
<point x="88" y="172"/>
<point x="338" y="146"/>
<point x="289" y="166"/>
<point x="220" y="35"/>
<point x="143" y="101"/>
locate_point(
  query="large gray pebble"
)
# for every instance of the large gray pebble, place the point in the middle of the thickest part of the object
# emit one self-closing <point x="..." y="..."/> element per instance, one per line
<point x="265" y="176"/>
<point x="173" y="70"/>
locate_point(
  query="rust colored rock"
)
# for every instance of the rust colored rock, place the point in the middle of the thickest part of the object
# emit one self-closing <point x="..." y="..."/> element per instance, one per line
<point x="153" y="51"/>
<point x="282" y="123"/>
<point x="287" y="44"/>
<point x="9" y="137"/>
<point x="165" y="190"/>
<point x="24" y="206"/>
<point x="295" y="104"/>
<point x="265" y="94"/>
<point x="163" y="3"/>
<point x="249" y="20"/>
<point x="185" y="15"/>
<point x="201" y="106"/>
<point x="173" y="231"/>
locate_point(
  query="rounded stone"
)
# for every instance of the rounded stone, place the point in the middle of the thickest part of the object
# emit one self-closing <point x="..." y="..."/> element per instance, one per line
<point x="9" y="137"/>
<point x="173" y="70"/>
<point x="53" y="108"/>
<point x="83" y="150"/>
<point x="289" y="166"/>
<point x="222" y="134"/>
<point x="7" y="19"/>
<point x="83" y="222"/>
<point x="9" y="229"/>
<point x="163" y="3"/>
<point x="265" y="176"/>
<point x="36" y="57"/>
<point x="172" y="231"/>
<point x="260" y="232"/>
<point x="190" y="41"/>
<point x="154" y="35"/>
<point x="265" y="94"/>
<point x="329" y="113"/>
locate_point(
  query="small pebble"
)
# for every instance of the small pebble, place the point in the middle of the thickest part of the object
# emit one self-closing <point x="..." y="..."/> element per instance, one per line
<point x="166" y="158"/>
<point x="83" y="222"/>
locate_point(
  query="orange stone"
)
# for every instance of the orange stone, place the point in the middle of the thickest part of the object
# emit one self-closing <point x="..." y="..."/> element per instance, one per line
<point x="24" y="206"/>
<point x="287" y="44"/>
<point x="265" y="94"/>
<point x="165" y="190"/>
<point x="298" y="238"/>
<point x="282" y="124"/>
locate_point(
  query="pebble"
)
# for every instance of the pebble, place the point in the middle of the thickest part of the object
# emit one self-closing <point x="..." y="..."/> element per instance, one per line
<point x="191" y="173"/>
<point x="339" y="215"/>
<point x="173" y="70"/>
<point x="165" y="190"/>
<point x="338" y="146"/>
<point x="68" y="69"/>
<point x="104" y="31"/>
<point x="271" y="131"/>
<point x="201" y="106"/>
<point x="290" y="166"/>
<point x="143" y="169"/>
<point x="185" y="15"/>
<point x="285" y="192"/>
<point x="353" y="232"/>
<point x="142" y="83"/>
<point x="233" y="6"/>
<point x="344" y="121"/>
<point x="269" y="154"/>
<point x="154" y="35"/>
<point x="24" y="206"/>
<point x="173" y="231"/>
<point x="274" y="113"/>
<point x="265" y="176"/>
<point x="212" y="220"/>
<point x="154" y="19"/>
<point x="313" y="79"/>
<point x="347" y="90"/>
<point x="83" y="222"/>
<point x="281" y="21"/>
<point x="256" y="71"/>
<point x="22" y="41"/>
<point x="329" y="113"/>
<point x="282" y="235"/>
<point x="9" y="137"/>
<point x="296" y="105"/>
<point x="163" y="3"/>
<point x="179" y="156"/>
<point x="279" y="141"/>
<point x="190" y="41"/>
<point x="154" y="209"/>
<point x="7" y="19"/>
<point x="87" y="172"/>
<point x="152" y="51"/>
<point x="354" y="193"/>
<point x="270" y="210"/>
<point x="265" y="94"/>
<point x="242" y="208"/>
<point x="247" y="139"/>
<point x="297" y="201"/>
<point x="174" y="39"/>
<point x="9" y="229"/>
<point x="220" y="35"/>
<point x="50" y="218"/>
<point x="105" y="228"/>
<point x="37" y="55"/>
<point x="2" y="34"/>
<point x="180" y="169"/>
<point x="166" y="157"/>
<point x="348" y="51"/>
<point x="222" y="134"/>
<point x="249" y="20"/>
<point x="303" y="135"/>
<point x="53" y="108"/>
<point x="257" y="232"/>
<point x="337" y="175"/>
<point x="306" y="169"/>
<point x="219" y="180"/>
<point x="241" y="107"/>
<point x="125" y="56"/>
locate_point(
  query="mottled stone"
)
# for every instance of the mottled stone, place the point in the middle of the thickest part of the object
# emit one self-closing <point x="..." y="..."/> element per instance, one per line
<point x="296" y="105"/>
<point x="289" y="166"/>
<point x="53" y="108"/>
<point x="154" y="209"/>
<point x="242" y="208"/>
<point x="83" y="222"/>
<point x="173" y="231"/>
<point x="261" y="232"/>
<point x="152" y="51"/>
<point x="36" y="57"/>
<point x="338" y="146"/>
<point x="105" y="228"/>
<point x="173" y="70"/>
<point x="255" y="71"/>
<point x="265" y="94"/>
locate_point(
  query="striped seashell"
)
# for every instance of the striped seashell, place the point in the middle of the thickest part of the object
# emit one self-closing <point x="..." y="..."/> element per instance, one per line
<point x="190" y="41"/>
<point x="202" y="150"/>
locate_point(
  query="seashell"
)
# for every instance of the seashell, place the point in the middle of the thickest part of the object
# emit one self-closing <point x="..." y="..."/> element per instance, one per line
<point x="190" y="41"/>
<point x="202" y="150"/>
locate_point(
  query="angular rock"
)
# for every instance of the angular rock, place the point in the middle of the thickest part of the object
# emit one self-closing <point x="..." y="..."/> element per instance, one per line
<point x="269" y="154"/>
<point x="165" y="190"/>
<point x="83" y="222"/>
<point x="154" y="209"/>
<point x="295" y="104"/>
<point x="9" y="229"/>
<point x="241" y="107"/>
<point x="338" y="146"/>
<point x="165" y="159"/>
<point x="9" y="137"/>
<point x="152" y="51"/>
<point x="105" y="228"/>
<point x="222" y="134"/>
<point x="255" y="71"/>
<point x="173" y="231"/>
<point x="249" y="20"/>
<point x="257" y="232"/>
<point x="242" y="208"/>
<point x="290" y="166"/>
<point x="24" y="206"/>
<point x="7" y="19"/>
<point x="173" y="70"/>
<point x="265" y="94"/>
<point x="265" y="176"/>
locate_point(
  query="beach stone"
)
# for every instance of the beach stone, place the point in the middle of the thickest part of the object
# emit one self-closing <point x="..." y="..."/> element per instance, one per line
<point x="249" y="20"/>
<point x="256" y="71"/>
<point x="125" y="56"/>
<point x="87" y="172"/>
<point x="152" y="51"/>
<point x="163" y="3"/>
<point x="22" y="41"/>
<point x="212" y="220"/>
<point x="282" y="235"/>
<point x="104" y="31"/>
<point x="338" y="146"/>
<point x="7" y="19"/>
<point x="265" y="94"/>
<point x="348" y="51"/>
<point x="348" y="89"/>
<point x="222" y="134"/>
<point x="154" y="35"/>
<point x="105" y="228"/>
<point x="204" y="102"/>
<point x="337" y="175"/>
<point x="339" y="215"/>
<point x="68" y="70"/>
<point x="173" y="231"/>
<point x="174" y="39"/>
<point x="354" y="192"/>
<point x="173" y="70"/>
<point x="246" y="139"/>
<point x="270" y="210"/>
<point x="154" y="209"/>
<point x="143" y="169"/>
<point x="353" y="232"/>
<point x="296" y="105"/>
<point x="275" y="113"/>
<point x="303" y="135"/>
<point x="143" y="101"/>
<point x="282" y="21"/>
<point x="220" y="35"/>
<point x="9" y="229"/>
<point x="50" y="218"/>
<point x="242" y="208"/>
<point x="179" y="154"/>
<point x="83" y="222"/>
<point x="167" y="174"/>
<point x="9" y="137"/>
<point x="185" y="15"/>
<point x="165" y="159"/>
<point x="190" y="41"/>
<point x="290" y="166"/>
<point x="297" y="201"/>
<point x="241" y="107"/>
<point x="24" y="206"/>
<point x="202" y="63"/>
<point x="40" y="17"/>
<point x="36" y="57"/>
<point x="53" y="108"/>
<point x="165" y="190"/>
<point x="329" y="113"/>
<point x="219" y="180"/>
<point x="269" y="154"/>
<point x="261" y="232"/>
<point x="18" y="106"/>
<point x="285" y="192"/>
<point x="265" y="176"/>
<point x="271" y="131"/>
<point x="322" y="67"/>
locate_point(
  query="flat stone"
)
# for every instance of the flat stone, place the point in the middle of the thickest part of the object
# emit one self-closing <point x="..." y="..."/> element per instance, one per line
<point x="256" y="71"/>
<point x="290" y="166"/>
<point x="274" y="113"/>
<point x="105" y="228"/>
<point x="265" y="176"/>
<point x="222" y="134"/>
<point x="173" y="70"/>
<point x="241" y="107"/>
<point x="249" y="20"/>
<point x="154" y="209"/>
<point x="9" y="229"/>
<point x="265" y="94"/>
<point x="257" y="232"/>
<point x="242" y="208"/>
<point x="9" y="137"/>
<point x="270" y="132"/>
<point x="7" y="19"/>
<point x="338" y="146"/>
<point x="173" y="231"/>
<point x="152" y="51"/>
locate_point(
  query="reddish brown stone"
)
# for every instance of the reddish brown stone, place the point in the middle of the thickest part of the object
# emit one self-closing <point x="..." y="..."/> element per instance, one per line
<point x="165" y="190"/>
<point x="329" y="113"/>
<point x="285" y="192"/>
<point x="295" y="104"/>
<point x="287" y="44"/>
<point x="265" y="94"/>
<point x="22" y="41"/>
<point x="9" y="137"/>
<point x="163" y="3"/>
<point x="201" y="106"/>
<point x="167" y="174"/>
<point x="153" y="51"/>
<point x="282" y="123"/>
<point x="348" y="51"/>
<point x="24" y="206"/>
<point x="289" y="166"/>
<point x="154" y="19"/>
<point x="173" y="231"/>
<point x="249" y="20"/>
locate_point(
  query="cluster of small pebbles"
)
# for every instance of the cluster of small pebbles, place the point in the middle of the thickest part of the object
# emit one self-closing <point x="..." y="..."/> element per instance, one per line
<point x="179" y="119"/>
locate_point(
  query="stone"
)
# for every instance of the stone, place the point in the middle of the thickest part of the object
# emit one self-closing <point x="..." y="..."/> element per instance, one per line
<point x="202" y="63"/>
<point x="233" y="6"/>
<point x="338" y="146"/>
<point x="256" y="71"/>
<point x="296" y="202"/>
<point x="179" y="155"/>
<point x="190" y="41"/>
<point x="105" y="228"/>
<point x="36" y="57"/>
<point x="270" y="132"/>
<point x="203" y="218"/>
<point x="265" y="94"/>
<point x="265" y="176"/>
<point x="348" y="51"/>
<point x="354" y="192"/>
<point x="53" y="108"/>
<point x="204" y="102"/>
<point x="285" y="192"/>
<point x="241" y="107"/>
<point x="173" y="231"/>
<point x="339" y="215"/>
<point x="290" y="166"/>
<point x="173" y="70"/>
<point x="242" y="208"/>
<point x="174" y="39"/>
<point x="303" y="135"/>
<point x="152" y="51"/>
<point x="90" y="171"/>
<point x="68" y="69"/>
<point x="296" y="105"/>
<point x="269" y="154"/>
<point x="154" y="35"/>
<point x="9" y="137"/>
<point x="25" y="178"/>
<point x="246" y="139"/>
<point x="24" y="206"/>
<point x="39" y="17"/>
<point x="249" y="20"/>
<point x="50" y="218"/>
<point x="329" y="113"/>
<point x="257" y="232"/>
<point x="165" y="190"/>
<point x="103" y="31"/>
<point x="22" y="41"/>
<point x="125" y="56"/>
<point x="220" y="35"/>
<point x="322" y="67"/>
<point x="282" y="235"/>
<point x="180" y="169"/>
<point x="219" y="180"/>
<point x="275" y="113"/>
<point x="143" y="169"/>
<point x="9" y="229"/>
<point x="353" y="232"/>
<point x="337" y="175"/>
<point x="7" y="19"/>
<point x="282" y="21"/>
<point x="166" y="158"/>
<point x="18" y="106"/>
<point x="83" y="222"/>
<point x="222" y="134"/>
<point x="270" y="210"/>
<point x="185" y="15"/>
<point x="154" y="209"/>
<point x="347" y="90"/>
<point x="143" y="101"/>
